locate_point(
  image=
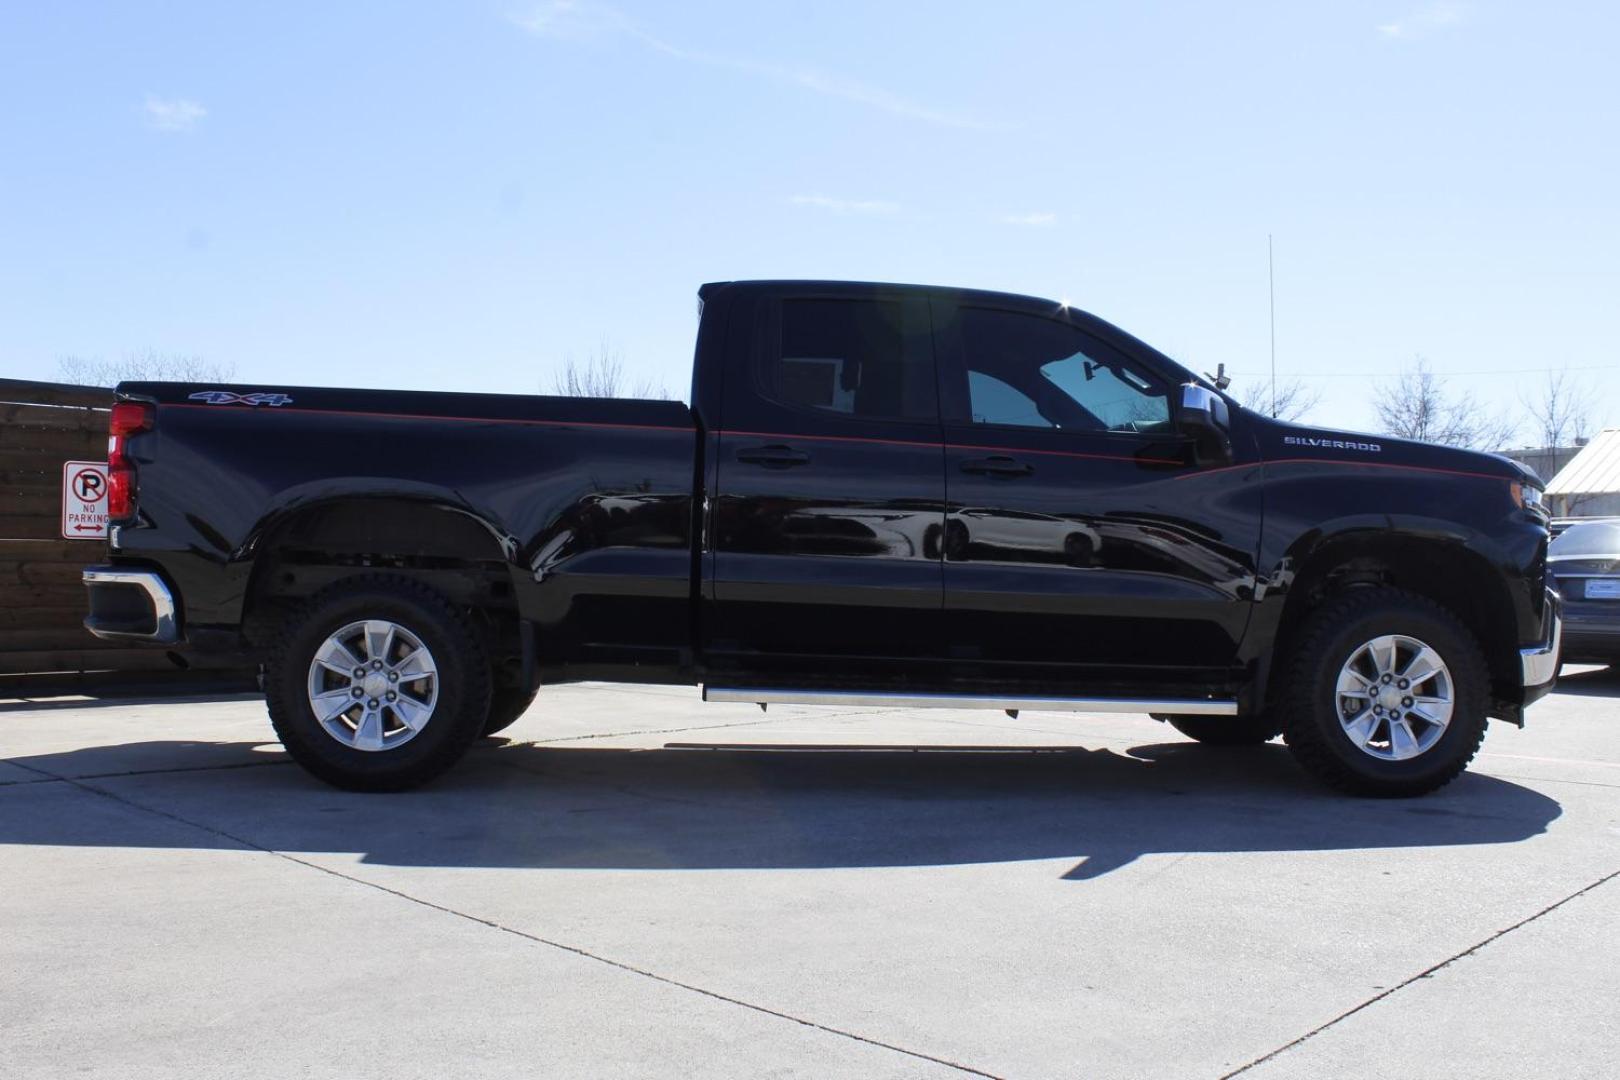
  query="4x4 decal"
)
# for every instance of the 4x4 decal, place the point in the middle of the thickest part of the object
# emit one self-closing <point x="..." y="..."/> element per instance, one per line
<point x="226" y="397"/>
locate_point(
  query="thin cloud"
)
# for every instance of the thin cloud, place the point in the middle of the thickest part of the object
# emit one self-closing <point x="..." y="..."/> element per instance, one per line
<point x="568" y="20"/>
<point x="836" y="86"/>
<point x="1424" y="21"/>
<point x="1036" y="220"/>
<point x="845" y="206"/>
<point x="574" y="20"/>
<point x="172" y="114"/>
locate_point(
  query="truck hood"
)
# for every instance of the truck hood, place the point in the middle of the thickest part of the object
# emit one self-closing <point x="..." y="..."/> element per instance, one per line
<point x="1293" y="441"/>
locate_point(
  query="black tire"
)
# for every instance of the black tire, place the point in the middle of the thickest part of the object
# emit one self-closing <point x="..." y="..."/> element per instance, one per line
<point x="1228" y="730"/>
<point x="506" y="705"/>
<point x="1326" y="642"/>
<point x="457" y="715"/>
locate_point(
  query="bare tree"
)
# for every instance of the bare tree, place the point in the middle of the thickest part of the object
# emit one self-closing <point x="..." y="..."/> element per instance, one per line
<point x="601" y="374"/>
<point x="1560" y="414"/>
<point x="1291" y="401"/>
<point x="149" y="365"/>
<point x="1418" y="406"/>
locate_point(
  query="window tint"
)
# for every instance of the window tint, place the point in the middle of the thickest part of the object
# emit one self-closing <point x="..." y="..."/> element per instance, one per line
<point x="994" y="402"/>
<point x="851" y="357"/>
<point x="1027" y="371"/>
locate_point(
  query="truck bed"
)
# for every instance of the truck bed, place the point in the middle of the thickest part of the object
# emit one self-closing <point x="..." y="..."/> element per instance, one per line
<point x="587" y="501"/>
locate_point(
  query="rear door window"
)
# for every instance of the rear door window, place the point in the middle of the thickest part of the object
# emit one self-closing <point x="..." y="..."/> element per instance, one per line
<point x="851" y="357"/>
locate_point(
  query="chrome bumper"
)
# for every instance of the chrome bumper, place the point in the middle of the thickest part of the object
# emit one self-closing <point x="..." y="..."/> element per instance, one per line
<point x="1539" y="666"/>
<point x="164" y="627"/>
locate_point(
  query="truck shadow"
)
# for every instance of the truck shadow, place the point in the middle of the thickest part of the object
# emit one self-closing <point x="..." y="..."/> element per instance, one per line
<point x="1591" y="681"/>
<point x="521" y="805"/>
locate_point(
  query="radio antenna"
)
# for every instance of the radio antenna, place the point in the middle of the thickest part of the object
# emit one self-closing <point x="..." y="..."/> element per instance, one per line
<point x="1271" y="287"/>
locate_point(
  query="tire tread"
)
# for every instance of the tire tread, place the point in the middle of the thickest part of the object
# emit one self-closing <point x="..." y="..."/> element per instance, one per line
<point x="396" y="587"/>
<point x="1306" y="740"/>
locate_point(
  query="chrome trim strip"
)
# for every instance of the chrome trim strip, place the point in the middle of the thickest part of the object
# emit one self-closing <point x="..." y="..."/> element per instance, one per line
<point x="1539" y="666"/>
<point x="761" y="696"/>
<point x="167" y="627"/>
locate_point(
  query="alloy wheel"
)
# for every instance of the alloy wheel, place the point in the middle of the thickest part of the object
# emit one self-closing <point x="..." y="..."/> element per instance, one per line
<point x="1394" y="697"/>
<point x="373" y="685"/>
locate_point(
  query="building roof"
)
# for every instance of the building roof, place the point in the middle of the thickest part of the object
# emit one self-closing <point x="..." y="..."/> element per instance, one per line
<point x="1593" y="471"/>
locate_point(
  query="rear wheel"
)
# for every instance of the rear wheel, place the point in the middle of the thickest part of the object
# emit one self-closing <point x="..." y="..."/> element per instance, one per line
<point x="1228" y="730"/>
<point x="378" y="685"/>
<point x="1386" y="694"/>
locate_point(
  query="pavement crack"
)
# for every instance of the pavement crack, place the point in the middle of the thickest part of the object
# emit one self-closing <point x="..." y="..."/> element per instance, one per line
<point x="536" y="939"/>
<point x="46" y="777"/>
<point x="1424" y="974"/>
<point x="1549" y="780"/>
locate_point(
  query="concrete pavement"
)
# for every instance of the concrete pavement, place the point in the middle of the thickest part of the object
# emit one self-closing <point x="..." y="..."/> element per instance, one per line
<point x="637" y="884"/>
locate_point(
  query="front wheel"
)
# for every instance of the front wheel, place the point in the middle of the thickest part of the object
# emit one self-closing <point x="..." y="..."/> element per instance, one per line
<point x="1385" y="695"/>
<point x="378" y="685"/>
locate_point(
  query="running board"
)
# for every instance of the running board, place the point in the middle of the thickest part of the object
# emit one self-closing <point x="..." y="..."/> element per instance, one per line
<point x="1177" y="706"/>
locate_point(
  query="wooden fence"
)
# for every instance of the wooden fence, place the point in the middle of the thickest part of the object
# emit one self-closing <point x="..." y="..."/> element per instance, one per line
<point x="42" y="600"/>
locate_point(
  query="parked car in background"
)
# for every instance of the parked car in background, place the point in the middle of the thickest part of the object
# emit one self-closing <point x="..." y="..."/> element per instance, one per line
<point x="1585" y="560"/>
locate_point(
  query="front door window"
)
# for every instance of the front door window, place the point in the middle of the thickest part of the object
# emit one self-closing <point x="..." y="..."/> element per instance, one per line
<point x="1026" y="371"/>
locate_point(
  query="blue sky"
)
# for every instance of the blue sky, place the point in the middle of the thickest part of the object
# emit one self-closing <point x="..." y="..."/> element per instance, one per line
<point x="457" y="195"/>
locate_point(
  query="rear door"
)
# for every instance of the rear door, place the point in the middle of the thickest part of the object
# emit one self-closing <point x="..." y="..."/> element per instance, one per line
<point x="1074" y="549"/>
<point x="826" y="524"/>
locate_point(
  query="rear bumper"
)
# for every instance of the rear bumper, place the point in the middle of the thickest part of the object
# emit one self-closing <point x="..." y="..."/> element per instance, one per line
<point x="129" y="604"/>
<point x="1538" y="666"/>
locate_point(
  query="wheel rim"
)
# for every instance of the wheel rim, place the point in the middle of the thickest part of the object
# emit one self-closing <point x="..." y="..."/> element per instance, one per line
<point x="1394" y="698"/>
<point x="373" y="685"/>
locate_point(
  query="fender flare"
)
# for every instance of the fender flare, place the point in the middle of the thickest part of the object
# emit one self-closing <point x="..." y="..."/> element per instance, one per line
<point x="1355" y="527"/>
<point x="300" y="499"/>
<point x="1279" y="582"/>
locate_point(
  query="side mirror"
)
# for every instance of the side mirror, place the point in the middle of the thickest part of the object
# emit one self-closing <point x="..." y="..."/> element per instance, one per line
<point x="1202" y="416"/>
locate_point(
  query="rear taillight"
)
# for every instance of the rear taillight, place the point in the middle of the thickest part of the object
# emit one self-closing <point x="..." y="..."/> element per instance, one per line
<point x="128" y="418"/>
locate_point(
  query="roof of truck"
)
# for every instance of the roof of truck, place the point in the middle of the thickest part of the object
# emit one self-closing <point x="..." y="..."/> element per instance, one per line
<point x="1033" y="304"/>
<point x="899" y="286"/>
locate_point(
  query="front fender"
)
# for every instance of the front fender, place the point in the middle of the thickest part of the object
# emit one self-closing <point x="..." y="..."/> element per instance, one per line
<point x="1361" y="529"/>
<point x="1464" y="537"/>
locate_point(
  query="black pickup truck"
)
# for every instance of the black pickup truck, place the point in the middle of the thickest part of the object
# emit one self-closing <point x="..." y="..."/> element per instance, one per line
<point x="880" y="494"/>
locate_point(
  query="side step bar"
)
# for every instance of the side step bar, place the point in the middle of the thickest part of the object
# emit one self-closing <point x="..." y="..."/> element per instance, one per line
<point x="762" y="696"/>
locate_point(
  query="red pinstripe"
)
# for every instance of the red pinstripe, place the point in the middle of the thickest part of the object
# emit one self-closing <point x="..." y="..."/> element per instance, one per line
<point x="841" y="438"/>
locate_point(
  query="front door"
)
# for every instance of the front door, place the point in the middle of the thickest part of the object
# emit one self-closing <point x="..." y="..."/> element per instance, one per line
<point x="827" y="522"/>
<point x="1074" y="548"/>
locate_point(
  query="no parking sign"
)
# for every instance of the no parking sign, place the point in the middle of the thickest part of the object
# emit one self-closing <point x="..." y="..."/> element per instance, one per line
<point x="84" y="500"/>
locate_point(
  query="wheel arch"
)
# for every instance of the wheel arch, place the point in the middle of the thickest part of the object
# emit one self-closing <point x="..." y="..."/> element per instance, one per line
<point x="426" y="535"/>
<point x="1457" y="570"/>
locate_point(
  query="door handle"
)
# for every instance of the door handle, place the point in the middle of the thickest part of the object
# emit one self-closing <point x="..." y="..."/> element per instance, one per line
<point x="773" y="457"/>
<point x="999" y="465"/>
